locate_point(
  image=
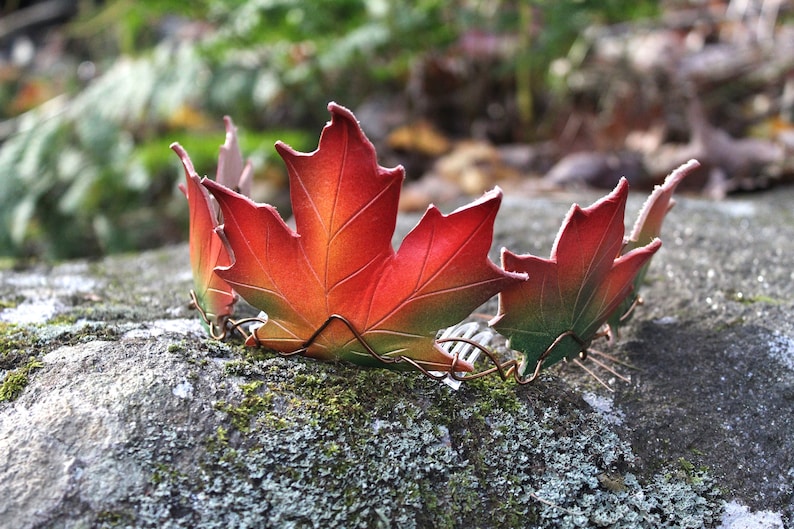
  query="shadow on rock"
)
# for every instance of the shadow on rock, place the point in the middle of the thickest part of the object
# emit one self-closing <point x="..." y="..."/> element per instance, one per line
<point x="721" y="398"/>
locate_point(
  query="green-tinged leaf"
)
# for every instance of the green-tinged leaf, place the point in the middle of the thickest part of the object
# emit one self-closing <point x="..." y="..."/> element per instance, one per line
<point x="568" y="297"/>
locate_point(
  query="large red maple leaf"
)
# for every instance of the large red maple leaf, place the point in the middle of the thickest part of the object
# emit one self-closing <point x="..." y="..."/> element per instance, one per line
<point x="569" y="296"/>
<point x="340" y="262"/>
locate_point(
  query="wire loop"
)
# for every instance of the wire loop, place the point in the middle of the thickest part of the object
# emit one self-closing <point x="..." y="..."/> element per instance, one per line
<point x="225" y="327"/>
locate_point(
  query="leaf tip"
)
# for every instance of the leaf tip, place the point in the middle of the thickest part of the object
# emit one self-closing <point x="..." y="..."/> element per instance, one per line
<point x="649" y="221"/>
<point x="344" y="114"/>
<point x="675" y="177"/>
<point x="187" y="163"/>
<point x="336" y="109"/>
<point x="179" y="150"/>
<point x="621" y="190"/>
<point x="229" y="125"/>
<point x="492" y="195"/>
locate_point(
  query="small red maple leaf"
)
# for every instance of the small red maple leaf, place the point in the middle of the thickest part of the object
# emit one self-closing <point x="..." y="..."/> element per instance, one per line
<point x="213" y="296"/>
<point x="340" y="260"/>
<point x="568" y="297"/>
<point x="648" y="227"/>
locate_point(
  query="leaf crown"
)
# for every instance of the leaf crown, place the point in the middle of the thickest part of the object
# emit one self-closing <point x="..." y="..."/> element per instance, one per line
<point x="334" y="288"/>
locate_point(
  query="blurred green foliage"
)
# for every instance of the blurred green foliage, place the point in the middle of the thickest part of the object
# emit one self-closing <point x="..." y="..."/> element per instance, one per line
<point x="89" y="172"/>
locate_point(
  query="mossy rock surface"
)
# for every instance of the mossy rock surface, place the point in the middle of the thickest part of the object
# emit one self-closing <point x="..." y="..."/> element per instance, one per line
<point x="136" y="419"/>
<point x="134" y="433"/>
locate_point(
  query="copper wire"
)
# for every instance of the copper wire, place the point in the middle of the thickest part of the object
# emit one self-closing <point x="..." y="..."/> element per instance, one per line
<point x="504" y="369"/>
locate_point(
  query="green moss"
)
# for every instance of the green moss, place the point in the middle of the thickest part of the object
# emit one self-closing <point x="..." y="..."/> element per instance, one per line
<point x="16" y="380"/>
<point x="685" y="465"/>
<point x="113" y="518"/>
<point x="252" y="405"/>
<point x="690" y="472"/>
<point x="500" y="394"/>
<point x="13" y="384"/>
<point x="63" y="319"/>
<point x="8" y="303"/>
<point x="16" y="344"/>
<point x="239" y="368"/>
<point x="89" y="333"/>
<point x="750" y="299"/>
<point x="216" y="349"/>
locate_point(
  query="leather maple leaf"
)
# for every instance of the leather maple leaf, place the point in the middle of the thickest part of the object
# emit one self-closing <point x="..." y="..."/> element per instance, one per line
<point x="213" y="296"/>
<point x="569" y="296"/>
<point x="340" y="261"/>
<point x="648" y="227"/>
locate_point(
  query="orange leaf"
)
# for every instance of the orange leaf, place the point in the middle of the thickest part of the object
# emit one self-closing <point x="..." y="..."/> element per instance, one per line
<point x="340" y="259"/>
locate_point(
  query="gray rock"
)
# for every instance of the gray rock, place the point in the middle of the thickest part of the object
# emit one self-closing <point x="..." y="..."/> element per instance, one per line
<point x="135" y="419"/>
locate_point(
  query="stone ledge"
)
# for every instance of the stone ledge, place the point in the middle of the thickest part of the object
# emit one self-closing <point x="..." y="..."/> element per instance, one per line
<point x="136" y="420"/>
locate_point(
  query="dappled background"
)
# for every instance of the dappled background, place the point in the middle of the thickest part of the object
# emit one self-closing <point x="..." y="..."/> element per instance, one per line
<point x="534" y="96"/>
